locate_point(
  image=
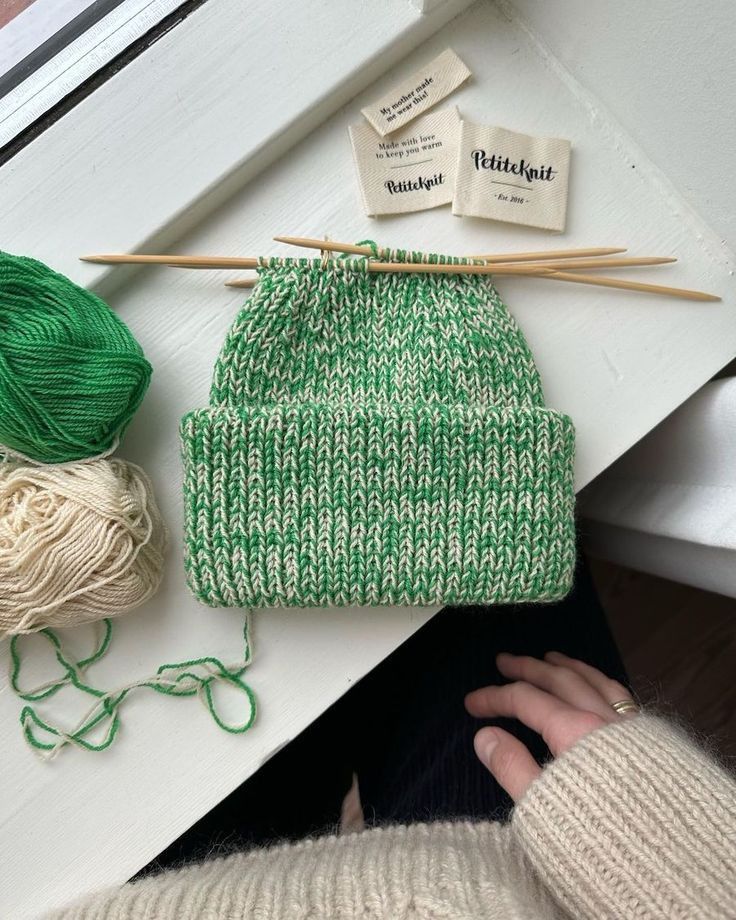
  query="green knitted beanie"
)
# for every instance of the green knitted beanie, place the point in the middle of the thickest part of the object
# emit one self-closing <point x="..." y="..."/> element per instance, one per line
<point x="376" y="439"/>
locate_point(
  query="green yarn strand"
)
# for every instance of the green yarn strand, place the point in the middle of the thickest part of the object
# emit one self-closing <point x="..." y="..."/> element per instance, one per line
<point x="194" y="677"/>
<point x="71" y="373"/>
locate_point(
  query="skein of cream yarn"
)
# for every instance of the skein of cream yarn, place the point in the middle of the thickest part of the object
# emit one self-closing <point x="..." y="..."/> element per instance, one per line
<point x="81" y="536"/>
<point x="78" y="542"/>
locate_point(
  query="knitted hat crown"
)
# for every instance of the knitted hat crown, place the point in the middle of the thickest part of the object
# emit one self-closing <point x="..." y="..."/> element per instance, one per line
<point x="376" y="439"/>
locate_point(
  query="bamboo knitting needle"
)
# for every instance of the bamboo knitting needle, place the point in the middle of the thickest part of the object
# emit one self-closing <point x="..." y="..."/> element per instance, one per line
<point x="351" y="249"/>
<point x="631" y="285"/>
<point x="234" y="262"/>
<point x="181" y="261"/>
<point x="567" y="258"/>
<point x="426" y="268"/>
<point x="429" y="269"/>
<point x="549" y="254"/>
<point x="224" y="262"/>
<point x="538" y="273"/>
<point x="569" y="264"/>
<point x="178" y="261"/>
<point x="229" y="262"/>
<point x="325" y="245"/>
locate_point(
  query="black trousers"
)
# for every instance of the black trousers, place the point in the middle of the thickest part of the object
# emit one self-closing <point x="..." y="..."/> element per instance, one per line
<point x="404" y="731"/>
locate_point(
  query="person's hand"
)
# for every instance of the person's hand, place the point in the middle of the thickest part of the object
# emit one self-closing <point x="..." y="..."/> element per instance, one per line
<point x="560" y="698"/>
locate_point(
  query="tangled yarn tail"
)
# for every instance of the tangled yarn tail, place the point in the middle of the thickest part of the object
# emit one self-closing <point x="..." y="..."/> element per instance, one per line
<point x="194" y="677"/>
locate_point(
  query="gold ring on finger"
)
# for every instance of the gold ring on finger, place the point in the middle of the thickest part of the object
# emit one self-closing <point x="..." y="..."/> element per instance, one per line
<point x="624" y="706"/>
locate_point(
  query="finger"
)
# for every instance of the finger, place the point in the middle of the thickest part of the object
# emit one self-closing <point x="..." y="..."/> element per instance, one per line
<point x="611" y="690"/>
<point x="508" y="760"/>
<point x="532" y="706"/>
<point x="559" y="680"/>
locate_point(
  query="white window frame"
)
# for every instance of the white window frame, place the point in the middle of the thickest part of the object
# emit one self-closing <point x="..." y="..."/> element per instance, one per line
<point x="83" y="57"/>
<point x="165" y="180"/>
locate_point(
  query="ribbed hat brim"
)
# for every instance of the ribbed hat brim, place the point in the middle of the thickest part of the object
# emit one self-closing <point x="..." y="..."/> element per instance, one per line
<point x="311" y="504"/>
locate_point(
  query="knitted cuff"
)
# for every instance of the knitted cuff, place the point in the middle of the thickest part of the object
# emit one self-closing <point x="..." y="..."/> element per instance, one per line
<point x="453" y="870"/>
<point x="633" y="821"/>
<point x="314" y="504"/>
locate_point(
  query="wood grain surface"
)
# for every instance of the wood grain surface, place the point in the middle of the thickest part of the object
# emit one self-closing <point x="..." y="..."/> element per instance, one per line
<point x="679" y="647"/>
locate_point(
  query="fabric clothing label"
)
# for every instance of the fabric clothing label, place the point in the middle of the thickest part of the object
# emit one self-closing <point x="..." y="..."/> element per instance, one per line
<point x="418" y="93"/>
<point x="411" y="170"/>
<point x="512" y="177"/>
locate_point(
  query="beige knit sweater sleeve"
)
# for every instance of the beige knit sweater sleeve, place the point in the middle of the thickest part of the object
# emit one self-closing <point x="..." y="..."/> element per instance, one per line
<point x="634" y="821"/>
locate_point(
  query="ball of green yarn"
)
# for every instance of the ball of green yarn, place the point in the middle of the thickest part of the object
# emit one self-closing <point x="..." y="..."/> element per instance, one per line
<point x="71" y="373"/>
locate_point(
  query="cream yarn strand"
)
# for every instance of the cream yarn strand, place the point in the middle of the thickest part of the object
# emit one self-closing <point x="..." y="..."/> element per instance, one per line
<point x="77" y="543"/>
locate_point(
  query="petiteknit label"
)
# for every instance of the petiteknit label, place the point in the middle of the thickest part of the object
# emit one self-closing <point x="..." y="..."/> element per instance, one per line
<point x="420" y="92"/>
<point x="411" y="170"/>
<point x="512" y="177"/>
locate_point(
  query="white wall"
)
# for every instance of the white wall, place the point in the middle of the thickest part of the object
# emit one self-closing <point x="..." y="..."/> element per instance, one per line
<point x="666" y="70"/>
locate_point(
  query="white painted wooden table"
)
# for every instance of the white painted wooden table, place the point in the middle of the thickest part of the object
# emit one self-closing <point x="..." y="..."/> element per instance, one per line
<point x="168" y="153"/>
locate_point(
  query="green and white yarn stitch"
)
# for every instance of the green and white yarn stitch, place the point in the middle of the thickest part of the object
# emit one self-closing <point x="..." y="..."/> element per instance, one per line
<point x="376" y="439"/>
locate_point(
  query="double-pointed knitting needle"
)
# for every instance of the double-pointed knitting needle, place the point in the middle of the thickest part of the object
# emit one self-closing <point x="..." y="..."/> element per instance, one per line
<point x="230" y="262"/>
<point x="631" y="285"/>
<point x="179" y="261"/>
<point x="234" y="262"/>
<point x="569" y="264"/>
<point x="351" y="249"/>
<point x="426" y="268"/>
<point x="560" y="259"/>
<point x="683" y="293"/>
